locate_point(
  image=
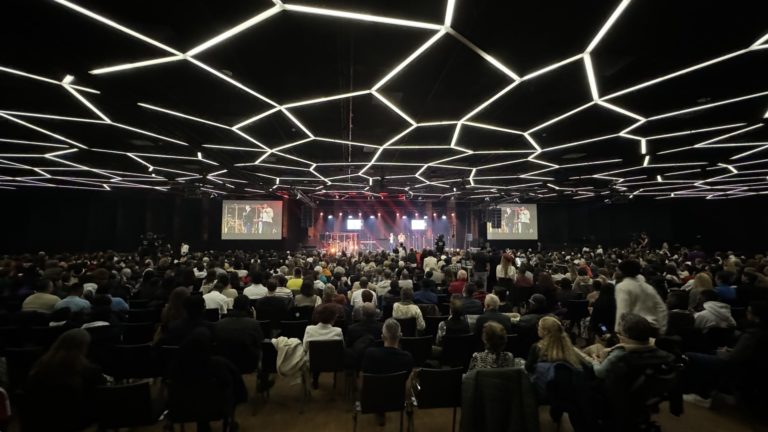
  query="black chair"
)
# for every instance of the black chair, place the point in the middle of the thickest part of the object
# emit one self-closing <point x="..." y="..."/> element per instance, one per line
<point x="458" y="350"/>
<point x="679" y="323"/>
<point x="381" y="394"/>
<point x="341" y="323"/>
<point x="266" y="328"/>
<point x="212" y="315"/>
<point x="717" y="337"/>
<point x="386" y="310"/>
<point x="739" y="314"/>
<point x="11" y="337"/>
<point x="138" y="333"/>
<point x="326" y="356"/>
<point x="138" y="304"/>
<point x="407" y="327"/>
<point x="437" y="388"/>
<point x="30" y="319"/>
<point x="293" y="329"/>
<point x="576" y="310"/>
<point x="111" y="403"/>
<point x="302" y="313"/>
<point x="565" y="394"/>
<point x="103" y="339"/>
<point x="19" y="362"/>
<point x="274" y="312"/>
<point x="198" y="401"/>
<point x="133" y="362"/>
<point x="43" y="336"/>
<point x="143" y="316"/>
<point x="433" y="324"/>
<point x="445" y="308"/>
<point x="419" y="347"/>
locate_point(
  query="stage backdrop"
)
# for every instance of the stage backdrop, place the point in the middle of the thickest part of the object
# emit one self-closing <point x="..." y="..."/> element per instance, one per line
<point x="66" y="220"/>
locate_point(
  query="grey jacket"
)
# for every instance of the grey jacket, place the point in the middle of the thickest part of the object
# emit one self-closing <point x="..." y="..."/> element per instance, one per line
<point x="498" y="400"/>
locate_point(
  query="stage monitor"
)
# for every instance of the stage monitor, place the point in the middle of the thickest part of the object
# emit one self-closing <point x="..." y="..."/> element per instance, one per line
<point x="251" y="220"/>
<point x="354" y="224"/>
<point x="418" y="224"/>
<point x="518" y="222"/>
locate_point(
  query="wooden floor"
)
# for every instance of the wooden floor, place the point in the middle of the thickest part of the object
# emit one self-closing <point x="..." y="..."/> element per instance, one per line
<point x="328" y="411"/>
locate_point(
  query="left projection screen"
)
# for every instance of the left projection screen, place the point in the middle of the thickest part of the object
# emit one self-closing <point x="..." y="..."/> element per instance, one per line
<point x="251" y="220"/>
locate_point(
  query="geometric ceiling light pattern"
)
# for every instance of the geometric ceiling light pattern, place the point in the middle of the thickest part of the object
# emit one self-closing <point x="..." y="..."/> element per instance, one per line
<point x="369" y="137"/>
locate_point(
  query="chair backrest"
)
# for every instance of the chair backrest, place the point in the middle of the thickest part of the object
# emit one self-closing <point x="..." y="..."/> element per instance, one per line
<point x="112" y="405"/>
<point x="407" y="326"/>
<point x="739" y="314"/>
<point x="10" y="337"/>
<point x="438" y="388"/>
<point x="144" y="315"/>
<point x="383" y="393"/>
<point x="302" y="313"/>
<point x="719" y="337"/>
<point x="326" y="356"/>
<point x="458" y="350"/>
<point x="266" y="328"/>
<point x="43" y="336"/>
<point x="679" y="323"/>
<point x="133" y="362"/>
<point x="31" y="319"/>
<point x="169" y="357"/>
<point x="576" y="309"/>
<point x="138" y="303"/>
<point x="268" y="357"/>
<point x="293" y="329"/>
<point x="201" y="400"/>
<point x="419" y="347"/>
<point x="19" y="362"/>
<point x="138" y="333"/>
<point x="433" y="324"/>
<point x="212" y="315"/>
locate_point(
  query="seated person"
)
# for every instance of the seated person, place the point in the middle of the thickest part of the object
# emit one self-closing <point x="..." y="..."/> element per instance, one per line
<point x="323" y="330"/>
<point x="492" y="314"/>
<point x="494" y="356"/>
<point x="635" y="340"/>
<point x="457" y="286"/>
<point x="240" y="335"/>
<point x="356" y="298"/>
<point x="425" y="294"/>
<point x="389" y="358"/>
<point x="405" y="309"/>
<point x="714" y="312"/>
<point x="361" y="335"/>
<point x="367" y="297"/>
<point x="455" y="325"/>
<point x="307" y="296"/>
<point x="42" y="300"/>
<point x="472" y="306"/>
<point x="329" y="302"/>
<point x="428" y="283"/>
<point x="538" y="309"/>
<point x="554" y="347"/>
<point x="74" y="300"/>
<point x="61" y="386"/>
<point x="275" y="304"/>
<point x="216" y="300"/>
<point x="194" y="317"/>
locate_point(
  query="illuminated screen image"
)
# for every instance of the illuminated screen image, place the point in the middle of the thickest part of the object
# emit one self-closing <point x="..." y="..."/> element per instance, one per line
<point x="418" y="224"/>
<point x="354" y="224"/>
<point x="518" y="222"/>
<point x="251" y="220"/>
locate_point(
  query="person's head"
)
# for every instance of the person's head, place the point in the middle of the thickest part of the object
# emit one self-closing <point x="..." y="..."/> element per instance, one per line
<point x="491" y="302"/>
<point x="210" y="276"/>
<point x="538" y="303"/>
<point x="307" y="288"/>
<point x="194" y="307"/>
<point x="363" y="283"/>
<point x="242" y="305"/>
<point x="369" y="311"/>
<point x="630" y="268"/>
<point x="469" y="289"/>
<point x="708" y="295"/>
<point x="565" y="284"/>
<point x="326" y="315"/>
<point x="703" y="281"/>
<point x="271" y="285"/>
<point x="582" y="271"/>
<point x="297" y="272"/>
<point x="406" y="295"/>
<point x="66" y="355"/>
<point x="387" y="274"/>
<point x="366" y="296"/>
<point x="256" y="277"/>
<point x="555" y="344"/>
<point x="676" y="300"/>
<point x="390" y="332"/>
<point x="44" y="286"/>
<point x="494" y="337"/>
<point x="176" y="299"/>
<point x="723" y="277"/>
<point x="218" y="286"/>
<point x="329" y="292"/>
<point x="75" y="290"/>
<point x="457" y="308"/>
<point x="461" y="275"/>
<point x="394" y="288"/>
<point x="635" y="328"/>
<point x="428" y="274"/>
<point x="405" y="275"/>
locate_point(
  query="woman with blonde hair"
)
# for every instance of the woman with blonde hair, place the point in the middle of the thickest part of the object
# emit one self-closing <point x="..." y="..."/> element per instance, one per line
<point x="554" y="347"/>
<point x="702" y="282"/>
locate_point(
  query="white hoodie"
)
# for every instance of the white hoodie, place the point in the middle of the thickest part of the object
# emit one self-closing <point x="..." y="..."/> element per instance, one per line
<point x="715" y="314"/>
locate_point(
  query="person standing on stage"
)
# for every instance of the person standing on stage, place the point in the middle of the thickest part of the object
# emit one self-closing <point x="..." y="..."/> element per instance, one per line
<point x="265" y="220"/>
<point x="401" y="239"/>
<point x="509" y="220"/>
<point x="525" y="220"/>
<point x="248" y="218"/>
<point x="391" y="241"/>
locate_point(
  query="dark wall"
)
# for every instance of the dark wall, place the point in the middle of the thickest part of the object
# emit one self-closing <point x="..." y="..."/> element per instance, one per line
<point x="66" y="220"/>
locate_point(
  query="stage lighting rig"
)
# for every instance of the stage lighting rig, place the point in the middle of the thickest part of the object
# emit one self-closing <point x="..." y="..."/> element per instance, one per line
<point x="301" y="196"/>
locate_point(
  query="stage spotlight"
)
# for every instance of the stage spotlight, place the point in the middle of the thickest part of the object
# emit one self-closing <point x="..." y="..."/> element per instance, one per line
<point x="339" y="214"/>
<point x="349" y="216"/>
<point x="425" y="217"/>
<point x="405" y="217"/>
<point x="359" y="214"/>
<point x="445" y="217"/>
<point x="434" y="214"/>
<point x="378" y="214"/>
<point x="321" y="213"/>
<point x="330" y="216"/>
<point x="371" y="217"/>
<point x="453" y="214"/>
<point x="417" y="214"/>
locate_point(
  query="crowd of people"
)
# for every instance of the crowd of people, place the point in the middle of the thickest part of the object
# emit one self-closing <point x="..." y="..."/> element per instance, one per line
<point x="595" y="311"/>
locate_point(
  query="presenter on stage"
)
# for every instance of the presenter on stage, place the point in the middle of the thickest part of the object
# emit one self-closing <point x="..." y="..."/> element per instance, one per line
<point x="248" y="218"/>
<point x="525" y="220"/>
<point x="265" y="219"/>
<point x="401" y="239"/>
<point x="391" y="241"/>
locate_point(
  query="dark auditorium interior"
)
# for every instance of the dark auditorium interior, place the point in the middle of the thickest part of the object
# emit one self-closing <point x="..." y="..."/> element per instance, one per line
<point x="384" y="215"/>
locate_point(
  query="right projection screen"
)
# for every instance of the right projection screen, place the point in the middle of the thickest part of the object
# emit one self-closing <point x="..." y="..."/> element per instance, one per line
<point x="518" y="222"/>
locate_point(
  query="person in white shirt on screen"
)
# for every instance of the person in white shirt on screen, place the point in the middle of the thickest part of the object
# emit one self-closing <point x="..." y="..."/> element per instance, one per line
<point x="216" y="300"/>
<point x="525" y="220"/>
<point x="265" y="219"/>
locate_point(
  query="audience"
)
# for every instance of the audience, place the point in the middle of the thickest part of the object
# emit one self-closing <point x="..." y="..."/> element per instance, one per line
<point x="714" y="313"/>
<point x="42" y="300"/>
<point x="494" y="356"/>
<point x="406" y="309"/>
<point x="492" y="314"/>
<point x="634" y="295"/>
<point x="307" y="296"/>
<point x="216" y="300"/>
<point x="74" y="300"/>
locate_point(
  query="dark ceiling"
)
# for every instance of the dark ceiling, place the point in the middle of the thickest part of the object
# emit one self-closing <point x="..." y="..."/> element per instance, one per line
<point x="431" y="99"/>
